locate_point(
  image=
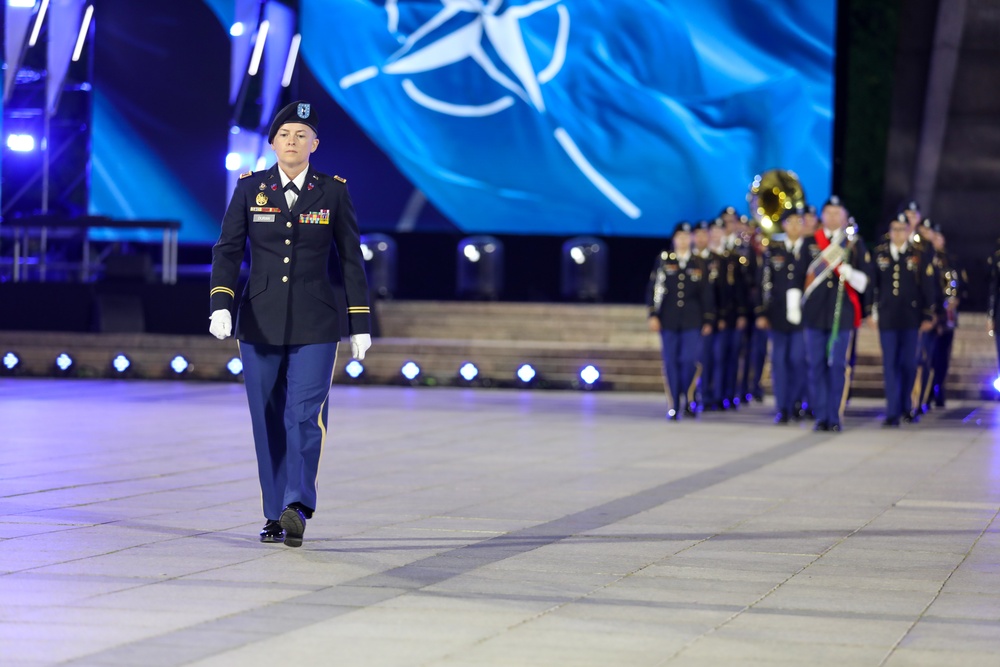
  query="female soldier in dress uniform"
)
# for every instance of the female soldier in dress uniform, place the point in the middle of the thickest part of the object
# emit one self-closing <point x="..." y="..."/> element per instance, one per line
<point x="302" y="230"/>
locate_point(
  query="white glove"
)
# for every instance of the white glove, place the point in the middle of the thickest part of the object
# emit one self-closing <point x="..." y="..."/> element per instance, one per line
<point x="360" y="344"/>
<point x="856" y="278"/>
<point x="793" y="306"/>
<point x="846" y="270"/>
<point x="222" y="324"/>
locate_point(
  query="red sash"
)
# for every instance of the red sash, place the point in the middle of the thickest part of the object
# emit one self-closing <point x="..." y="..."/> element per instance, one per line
<point x="823" y="243"/>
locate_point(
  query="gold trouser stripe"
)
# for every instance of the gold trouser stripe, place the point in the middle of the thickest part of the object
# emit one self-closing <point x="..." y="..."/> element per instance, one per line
<point x="666" y="388"/>
<point x="319" y="418"/>
<point x="915" y="389"/>
<point x="694" y="383"/>
<point x="930" y="385"/>
<point x="847" y="378"/>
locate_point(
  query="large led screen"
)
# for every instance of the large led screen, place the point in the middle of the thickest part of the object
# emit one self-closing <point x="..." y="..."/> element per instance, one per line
<point x="614" y="117"/>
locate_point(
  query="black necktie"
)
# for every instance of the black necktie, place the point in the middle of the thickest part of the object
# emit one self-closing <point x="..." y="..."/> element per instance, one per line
<point x="291" y="186"/>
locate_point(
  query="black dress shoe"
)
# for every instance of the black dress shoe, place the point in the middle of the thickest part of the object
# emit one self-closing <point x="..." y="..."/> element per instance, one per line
<point x="890" y="422"/>
<point x="781" y="418"/>
<point x="911" y="417"/>
<point x="689" y="411"/>
<point x="272" y="532"/>
<point x="835" y="427"/>
<point x="821" y="426"/>
<point x="293" y="520"/>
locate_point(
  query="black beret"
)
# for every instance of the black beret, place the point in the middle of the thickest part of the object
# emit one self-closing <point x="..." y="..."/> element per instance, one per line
<point x="834" y="200"/>
<point x="789" y="212"/>
<point x="719" y="222"/>
<point x="926" y="222"/>
<point x="682" y="226"/>
<point x="296" y="112"/>
<point x="811" y="209"/>
<point x="729" y="209"/>
<point x="701" y="226"/>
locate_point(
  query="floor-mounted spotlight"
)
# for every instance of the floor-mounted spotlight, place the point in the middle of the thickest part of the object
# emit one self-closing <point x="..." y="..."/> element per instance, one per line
<point x="468" y="371"/>
<point x="179" y="365"/>
<point x="354" y="369"/>
<point x="526" y="374"/>
<point x="235" y="366"/>
<point x="9" y="364"/>
<point x="121" y="364"/>
<point x="410" y="371"/>
<point x="63" y="364"/>
<point x="589" y="376"/>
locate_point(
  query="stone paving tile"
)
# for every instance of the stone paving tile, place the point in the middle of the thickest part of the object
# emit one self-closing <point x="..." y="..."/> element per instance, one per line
<point x="463" y="527"/>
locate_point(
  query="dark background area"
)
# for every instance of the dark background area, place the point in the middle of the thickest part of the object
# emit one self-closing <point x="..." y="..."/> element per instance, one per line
<point x="883" y="54"/>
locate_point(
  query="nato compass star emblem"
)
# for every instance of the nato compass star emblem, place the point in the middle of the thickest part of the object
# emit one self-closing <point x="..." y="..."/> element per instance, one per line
<point x="422" y="52"/>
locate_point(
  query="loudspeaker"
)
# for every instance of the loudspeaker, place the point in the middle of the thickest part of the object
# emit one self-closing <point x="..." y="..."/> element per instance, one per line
<point x="119" y="313"/>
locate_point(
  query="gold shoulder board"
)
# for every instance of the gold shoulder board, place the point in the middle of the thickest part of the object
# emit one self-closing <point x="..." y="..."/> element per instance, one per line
<point x="338" y="178"/>
<point x="242" y="176"/>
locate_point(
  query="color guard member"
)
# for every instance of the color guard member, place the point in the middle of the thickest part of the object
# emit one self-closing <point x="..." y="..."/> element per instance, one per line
<point x="831" y="312"/>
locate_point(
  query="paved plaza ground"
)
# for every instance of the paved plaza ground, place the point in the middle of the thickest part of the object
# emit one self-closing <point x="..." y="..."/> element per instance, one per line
<point x="473" y="528"/>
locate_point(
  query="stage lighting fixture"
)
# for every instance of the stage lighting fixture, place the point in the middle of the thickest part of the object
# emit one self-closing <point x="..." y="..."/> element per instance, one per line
<point x="11" y="361"/>
<point x="468" y="371"/>
<point x="526" y="373"/>
<point x="235" y="366"/>
<point x="590" y="375"/>
<point x="21" y="143"/>
<point x="121" y="363"/>
<point x="996" y="384"/>
<point x="410" y="371"/>
<point x="234" y="162"/>
<point x="179" y="364"/>
<point x="21" y="4"/>
<point x="236" y="29"/>
<point x="354" y="368"/>
<point x="82" y="36"/>
<point x="64" y="362"/>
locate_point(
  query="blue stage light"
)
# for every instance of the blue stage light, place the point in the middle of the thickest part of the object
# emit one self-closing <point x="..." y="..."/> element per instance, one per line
<point x="234" y="161"/>
<point x="10" y="361"/>
<point x="589" y="374"/>
<point x="526" y="373"/>
<point x="179" y="364"/>
<point x="410" y="370"/>
<point x="468" y="371"/>
<point x="121" y="363"/>
<point x="64" y="362"/>
<point x="21" y="143"/>
<point x="354" y="368"/>
<point x="235" y="366"/>
<point x="996" y="384"/>
<point x="236" y="29"/>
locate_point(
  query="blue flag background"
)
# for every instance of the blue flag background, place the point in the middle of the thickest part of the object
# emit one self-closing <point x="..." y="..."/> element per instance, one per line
<point x="583" y="116"/>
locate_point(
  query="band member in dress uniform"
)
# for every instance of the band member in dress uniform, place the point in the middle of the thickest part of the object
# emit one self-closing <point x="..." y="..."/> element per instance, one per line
<point x="682" y="311"/>
<point x="779" y="311"/>
<point x="927" y="341"/>
<point x="953" y="286"/>
<point x="903" y="288"/>
<point x="757" y="349"/>
<point x="993" y="301"/>
<point x="832" y="311"/>
<point x="810" y="222"/>
<point x="735" y="309"/>
<point x="709" y="392"/>
<point x="302" y="231"/>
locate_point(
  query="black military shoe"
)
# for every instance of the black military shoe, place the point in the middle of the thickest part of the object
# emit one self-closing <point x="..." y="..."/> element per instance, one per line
<point x="891" y="422"/>
<point x="821" y="426"/>
<point x="272" y="532"/>
<point x="781" y="418"/>
<point x="689" y="411"/>
<point x="911" y="417"/>
<point x="835" y="427"/>
<point x="293" y="520"/>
